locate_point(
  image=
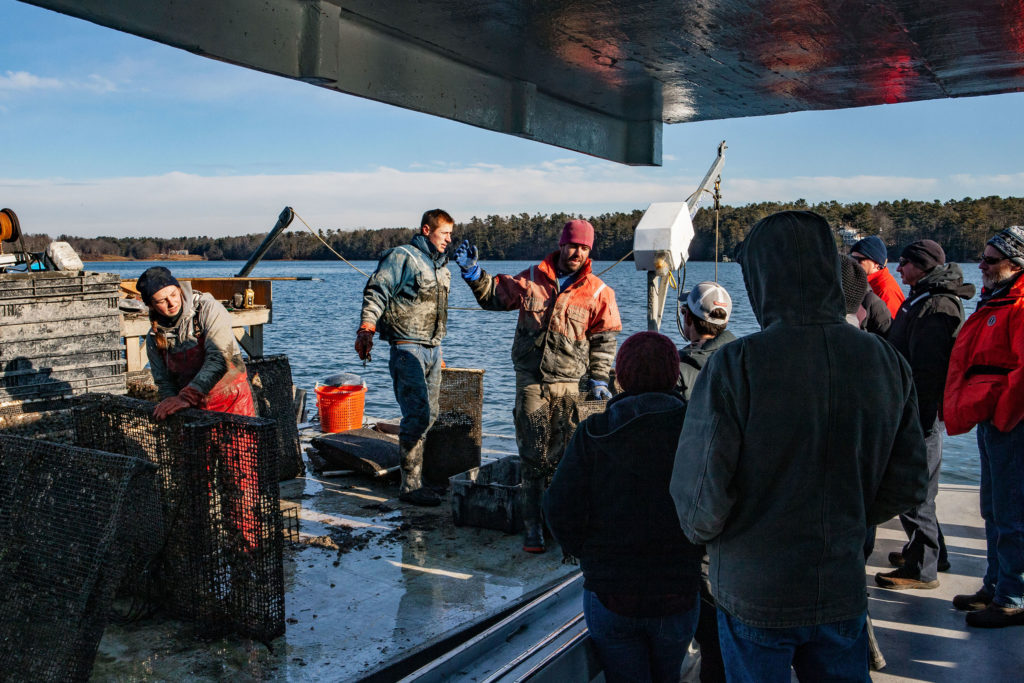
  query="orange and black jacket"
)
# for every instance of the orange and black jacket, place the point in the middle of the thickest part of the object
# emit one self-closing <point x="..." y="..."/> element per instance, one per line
<point x="561" y="335"/>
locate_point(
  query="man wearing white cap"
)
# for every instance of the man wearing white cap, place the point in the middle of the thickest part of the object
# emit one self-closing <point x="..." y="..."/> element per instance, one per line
<point x="706" y="311"/>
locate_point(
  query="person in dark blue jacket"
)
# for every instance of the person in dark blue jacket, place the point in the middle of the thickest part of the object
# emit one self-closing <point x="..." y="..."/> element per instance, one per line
<point x="609" y="506"/>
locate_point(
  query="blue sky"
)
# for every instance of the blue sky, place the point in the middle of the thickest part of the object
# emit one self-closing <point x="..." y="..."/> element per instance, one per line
<point x="103" y="133"/>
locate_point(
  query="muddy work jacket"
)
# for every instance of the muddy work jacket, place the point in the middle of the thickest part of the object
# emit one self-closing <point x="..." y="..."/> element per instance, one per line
<point x="406" y="298"/>
<point x="796" y="439"/>
<point x="202" y="354"/>
<point x="561" y="335"/>
<point x="986" y="369"/>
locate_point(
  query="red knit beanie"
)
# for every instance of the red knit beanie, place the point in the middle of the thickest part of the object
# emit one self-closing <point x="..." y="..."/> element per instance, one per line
<point x="647" y="361"/>
<point x="578" y="231"/>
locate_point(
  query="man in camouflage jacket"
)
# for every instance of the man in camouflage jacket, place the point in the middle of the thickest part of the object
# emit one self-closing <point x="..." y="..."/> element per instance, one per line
<point x="568" y="322"/>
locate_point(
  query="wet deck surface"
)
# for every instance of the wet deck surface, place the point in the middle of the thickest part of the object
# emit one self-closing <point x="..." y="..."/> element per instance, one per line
<point x="921" y="636"/>
<point x="401" y="578"/>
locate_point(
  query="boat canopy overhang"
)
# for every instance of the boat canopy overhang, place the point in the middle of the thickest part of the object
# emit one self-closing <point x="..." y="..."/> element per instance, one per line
<point x="602" y="76"/>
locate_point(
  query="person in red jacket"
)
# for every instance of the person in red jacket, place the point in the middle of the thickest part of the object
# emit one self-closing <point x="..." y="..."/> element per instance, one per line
<point x="872" y="256"/>
<point x="985" y="387"/>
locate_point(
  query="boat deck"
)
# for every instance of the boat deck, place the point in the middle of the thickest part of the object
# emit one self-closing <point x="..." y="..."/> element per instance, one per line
<point x="370" y="581"/>
<point x="375" y="580"/>
<point x="920" y="634"/>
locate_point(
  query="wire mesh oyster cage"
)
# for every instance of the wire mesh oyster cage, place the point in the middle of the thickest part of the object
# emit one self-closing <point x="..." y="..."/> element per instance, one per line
<point x="216" y="512"/>
<point x="66" y="533"/>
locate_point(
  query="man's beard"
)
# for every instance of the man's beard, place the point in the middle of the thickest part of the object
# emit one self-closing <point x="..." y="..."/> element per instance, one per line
<point x="990" y="285"/>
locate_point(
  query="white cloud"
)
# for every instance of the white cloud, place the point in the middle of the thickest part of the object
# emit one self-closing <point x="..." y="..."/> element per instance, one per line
<point x="178" y="204"/>
<point x="23" y="81"/>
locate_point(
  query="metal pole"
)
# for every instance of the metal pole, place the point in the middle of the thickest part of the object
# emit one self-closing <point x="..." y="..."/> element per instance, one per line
<point x="283" y="221"/>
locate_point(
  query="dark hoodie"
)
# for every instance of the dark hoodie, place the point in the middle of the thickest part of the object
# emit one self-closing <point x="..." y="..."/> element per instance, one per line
<point x="924" y="330"/>
<point x="796" y="439"/>
<point x="608" y="504"/>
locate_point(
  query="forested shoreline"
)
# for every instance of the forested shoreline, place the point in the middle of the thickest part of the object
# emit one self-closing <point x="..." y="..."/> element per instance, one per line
<point x="961" y="226"/>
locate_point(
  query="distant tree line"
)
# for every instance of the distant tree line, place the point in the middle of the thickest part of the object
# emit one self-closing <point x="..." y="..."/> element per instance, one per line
<point x="961" y="226"/>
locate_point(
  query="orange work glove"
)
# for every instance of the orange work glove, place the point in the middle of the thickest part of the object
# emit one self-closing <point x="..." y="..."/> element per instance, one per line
<point x="364" y="340"/>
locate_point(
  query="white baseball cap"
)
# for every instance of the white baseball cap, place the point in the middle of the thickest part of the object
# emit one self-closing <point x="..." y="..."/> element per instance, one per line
<point x="707" y="298"/>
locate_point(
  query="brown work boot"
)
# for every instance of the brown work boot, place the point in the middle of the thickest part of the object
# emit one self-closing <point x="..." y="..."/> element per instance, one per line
<point x="972" y="603"/>
<point x="899" y="580"/>
<point x="996" y="616"/>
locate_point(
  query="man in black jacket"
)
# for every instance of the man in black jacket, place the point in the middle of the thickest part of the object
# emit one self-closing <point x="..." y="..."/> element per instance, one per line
<point x="923" y="331"/>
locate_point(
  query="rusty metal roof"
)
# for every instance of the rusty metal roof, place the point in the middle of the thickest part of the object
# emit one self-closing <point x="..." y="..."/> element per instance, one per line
<point x="601" y="76"/>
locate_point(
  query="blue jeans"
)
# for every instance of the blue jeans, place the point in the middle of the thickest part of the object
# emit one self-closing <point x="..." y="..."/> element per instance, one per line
<point x="416" y="373"/>
<point x="827" y="652"/>
<point x="639" y="648"/>
<point x="1002" y="508"/>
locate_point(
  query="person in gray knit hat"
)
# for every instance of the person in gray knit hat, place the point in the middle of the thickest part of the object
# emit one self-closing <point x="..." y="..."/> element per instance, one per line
<point x="985" y="387"/>
<point x="1010" y="243"/>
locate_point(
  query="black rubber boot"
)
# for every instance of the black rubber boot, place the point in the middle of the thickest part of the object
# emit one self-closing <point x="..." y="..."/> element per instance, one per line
<point x="412" y="490"/>
<point x="422" y="496"/>
<point x="533" y="538"/>
<point x="533" y="533"/>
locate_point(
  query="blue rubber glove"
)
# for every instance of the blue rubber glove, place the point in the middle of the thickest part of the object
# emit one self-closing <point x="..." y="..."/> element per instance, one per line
<point x="599" y="390"/>
<point x="466" y="256"/>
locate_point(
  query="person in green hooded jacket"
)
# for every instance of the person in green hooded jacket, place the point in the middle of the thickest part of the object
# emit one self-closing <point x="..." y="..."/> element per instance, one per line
<point x="796" y="439"/>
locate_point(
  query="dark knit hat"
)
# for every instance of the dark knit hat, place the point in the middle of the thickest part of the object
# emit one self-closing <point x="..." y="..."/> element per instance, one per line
<point x="1011" y="243"/>
<point x="577" y="231"/>
<point x="874" y="248"/>
<point x="153" y="280"/>
<point x="647" y="361"/>
<point x="855" y="283"/>
<point x="926" y="254"/>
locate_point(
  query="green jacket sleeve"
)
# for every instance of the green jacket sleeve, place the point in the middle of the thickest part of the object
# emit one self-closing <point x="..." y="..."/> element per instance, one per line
<point x="706" y="458"/>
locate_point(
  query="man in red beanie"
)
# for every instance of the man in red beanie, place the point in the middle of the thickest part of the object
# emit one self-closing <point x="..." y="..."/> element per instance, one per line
<point x="568" y="322"/>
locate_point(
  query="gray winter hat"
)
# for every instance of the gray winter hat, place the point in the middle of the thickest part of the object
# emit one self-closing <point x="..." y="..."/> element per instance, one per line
<point x="1011" y="243"/>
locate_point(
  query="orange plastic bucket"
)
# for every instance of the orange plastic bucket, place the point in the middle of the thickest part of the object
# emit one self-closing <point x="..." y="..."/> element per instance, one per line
<point x="341" y="408"/>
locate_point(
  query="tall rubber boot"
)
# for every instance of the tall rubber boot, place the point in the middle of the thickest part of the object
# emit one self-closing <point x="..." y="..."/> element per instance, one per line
<point x="412" y="490"/>
<point x="530" y="499"/>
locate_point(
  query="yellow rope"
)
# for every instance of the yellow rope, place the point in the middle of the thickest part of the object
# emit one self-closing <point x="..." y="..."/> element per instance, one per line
<point x="316" y="235"/>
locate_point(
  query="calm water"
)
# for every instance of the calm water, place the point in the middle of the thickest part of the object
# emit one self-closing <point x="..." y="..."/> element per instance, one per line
<point x="314" y="323"/>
